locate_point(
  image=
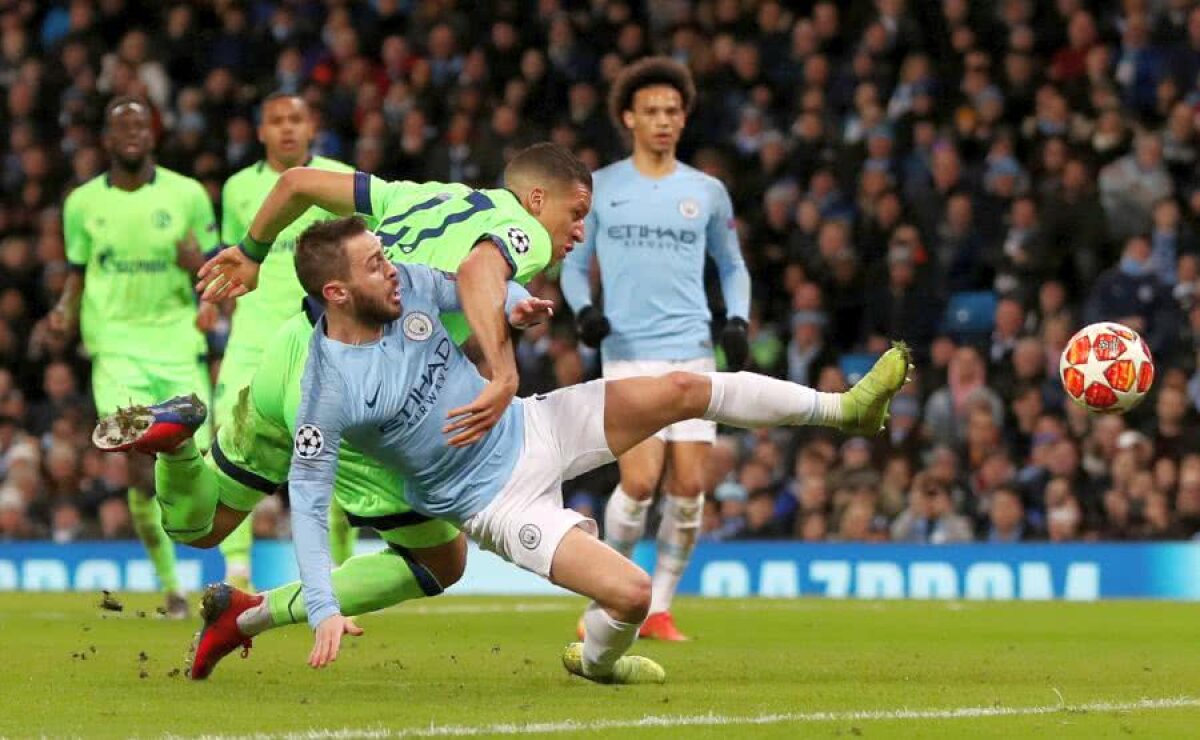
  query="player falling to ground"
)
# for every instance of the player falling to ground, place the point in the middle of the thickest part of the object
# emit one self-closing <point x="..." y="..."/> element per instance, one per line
<point x="384" y="374"/>
<point x="206" y="498"/>
<point x="286" y="131"/>
<point x="654" y="222"/>
<point x="128" y="232"/>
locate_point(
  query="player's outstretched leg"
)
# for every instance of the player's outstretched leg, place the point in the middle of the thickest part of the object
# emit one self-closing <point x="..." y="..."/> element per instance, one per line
<point x="365" y="583"/>
<point x="635" y="408"/>
<point x="164" y="427"/>
<point x="185" y="488"/>
<point x="621" y="599"/>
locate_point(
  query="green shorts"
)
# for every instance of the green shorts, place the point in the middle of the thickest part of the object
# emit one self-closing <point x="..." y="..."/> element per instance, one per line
<point x="120" y="380"/>
<point x="251" y="458"/>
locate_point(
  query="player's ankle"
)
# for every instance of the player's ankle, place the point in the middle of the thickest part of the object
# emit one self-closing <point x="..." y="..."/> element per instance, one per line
<point x="184" y="451"/>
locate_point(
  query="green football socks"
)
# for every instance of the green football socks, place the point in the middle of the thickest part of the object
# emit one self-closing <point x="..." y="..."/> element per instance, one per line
<point x="187" y="492"/>
<point x="147" y="523"/>
<point x="365" y="583"/>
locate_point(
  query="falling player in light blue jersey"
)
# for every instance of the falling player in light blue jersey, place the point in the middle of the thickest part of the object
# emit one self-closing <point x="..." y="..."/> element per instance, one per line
<point x="654" y="222"/>
<point x="383" y="374"/>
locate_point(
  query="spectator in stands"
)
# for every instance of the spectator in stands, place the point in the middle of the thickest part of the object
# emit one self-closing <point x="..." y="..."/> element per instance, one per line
<point x="1132" y="293"/>
<point x="948" y="408"/>
<point x="1131" y="186"/>
<point x="930" y="516"/>
<point x="903" y="310"/>
<point x="807" y="353"/>
<point x="1006" y="518"/>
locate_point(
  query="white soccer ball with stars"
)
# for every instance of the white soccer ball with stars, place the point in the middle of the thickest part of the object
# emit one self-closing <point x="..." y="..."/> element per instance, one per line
<point x="1106" y="368"/>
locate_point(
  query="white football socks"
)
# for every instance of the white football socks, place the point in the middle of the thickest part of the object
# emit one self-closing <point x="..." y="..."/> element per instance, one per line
<point x="749" y="401"/>
<point x="624" y="521"/>
<point x="604" y="640"/>
<point x="676" y="539"/>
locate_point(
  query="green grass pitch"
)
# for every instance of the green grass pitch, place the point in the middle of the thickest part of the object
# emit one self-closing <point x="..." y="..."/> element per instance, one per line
<point x="486" y="666"/>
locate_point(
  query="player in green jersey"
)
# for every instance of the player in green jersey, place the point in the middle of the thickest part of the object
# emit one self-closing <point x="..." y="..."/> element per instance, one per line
<point x="209" y="497"/>
<point x="286" y="131"/>
<point x="128" y="232"/>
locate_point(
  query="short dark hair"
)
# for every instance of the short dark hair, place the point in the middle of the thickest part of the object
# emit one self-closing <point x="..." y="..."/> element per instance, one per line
<point x="121" y="101"/>
<point x="647" y="73"/>
<point x="321" y="253"/>
<point x="279" y="95"/>
<point x="549" y="162"/>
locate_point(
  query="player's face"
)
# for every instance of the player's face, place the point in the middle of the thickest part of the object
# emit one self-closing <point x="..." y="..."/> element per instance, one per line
<point x="127" y="136"/>
<point x="562" y="214"/>
<point x="656" y="119"/>
<point x="286" y="130"/>
<point x="374" y="285"/>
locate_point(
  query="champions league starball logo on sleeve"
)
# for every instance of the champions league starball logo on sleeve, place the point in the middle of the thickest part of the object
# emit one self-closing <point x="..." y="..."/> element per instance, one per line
<point x="309" y="442"/>
<point x="519" y="240"/>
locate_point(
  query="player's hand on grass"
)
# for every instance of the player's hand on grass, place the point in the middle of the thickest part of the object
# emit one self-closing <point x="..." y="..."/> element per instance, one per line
<point x="327" y="639"/>
<point x="230" y="274"/>
<point x="593" y="326"/>
<point x="529" y="312"/>
<point x="469" y="423"/>
<point x="736" y="343"/>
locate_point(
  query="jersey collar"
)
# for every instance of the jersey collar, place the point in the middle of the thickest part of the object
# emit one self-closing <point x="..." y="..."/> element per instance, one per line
<point x="262" y="163"/>
<point x="312" y="310"/>
<point x="153" y="177"/>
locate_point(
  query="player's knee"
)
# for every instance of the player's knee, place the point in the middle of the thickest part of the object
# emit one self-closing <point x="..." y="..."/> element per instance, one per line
<point x="689" y="392"/>
<point x="638" y="598"/>
<point x="639" y="486"/>
<point x="207" y="542"/>
<point x="632" y="602"/>
<point x="687" y="486"/>
<point x="446" y="563"/>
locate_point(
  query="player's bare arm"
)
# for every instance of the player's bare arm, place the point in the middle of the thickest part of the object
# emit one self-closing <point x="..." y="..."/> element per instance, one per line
<point x="234" y="271"/>
<point x="482" y="287"/>
<point x="64" y="317"/>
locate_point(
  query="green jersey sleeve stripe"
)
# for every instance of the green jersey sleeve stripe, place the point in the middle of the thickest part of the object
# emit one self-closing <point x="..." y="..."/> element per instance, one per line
<point x="500" y="245"/>
<point x="479" y="203"/>
<point x="362" y="193"/>
<point x="425" y="205"/>
<point x="241" y="475"/>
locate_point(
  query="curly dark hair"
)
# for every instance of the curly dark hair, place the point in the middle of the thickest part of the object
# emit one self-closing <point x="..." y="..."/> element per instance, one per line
<point x="646" y="73"/>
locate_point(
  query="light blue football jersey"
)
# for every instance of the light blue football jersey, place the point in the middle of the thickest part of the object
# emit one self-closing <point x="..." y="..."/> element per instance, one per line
<point x="391" y="398"/>
<point x="651" y="238"/>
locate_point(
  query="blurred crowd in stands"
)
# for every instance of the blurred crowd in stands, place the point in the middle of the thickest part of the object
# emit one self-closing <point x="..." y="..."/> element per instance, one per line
<point x="977" y="178"/>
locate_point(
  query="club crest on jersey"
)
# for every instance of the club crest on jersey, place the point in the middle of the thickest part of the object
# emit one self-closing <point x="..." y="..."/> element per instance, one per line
<point x="309" y="442"/>
<point x="689" y="208"/>
<point x="161" y="219"/>
<point x="418" y="326"/>
<point x="530" y="536"/>
<point x="519" y="240"/>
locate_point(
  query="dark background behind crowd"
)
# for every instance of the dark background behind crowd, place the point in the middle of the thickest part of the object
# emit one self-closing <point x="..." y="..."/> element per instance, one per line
<point x="977" y="178"/>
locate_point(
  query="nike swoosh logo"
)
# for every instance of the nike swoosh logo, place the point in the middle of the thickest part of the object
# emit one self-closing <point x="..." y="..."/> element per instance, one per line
<point x="374" y="398"/>
<point x="617" y="203"/>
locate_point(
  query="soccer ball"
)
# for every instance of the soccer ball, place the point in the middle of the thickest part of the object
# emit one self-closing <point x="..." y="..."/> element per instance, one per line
<point x="1106" y="368"/>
